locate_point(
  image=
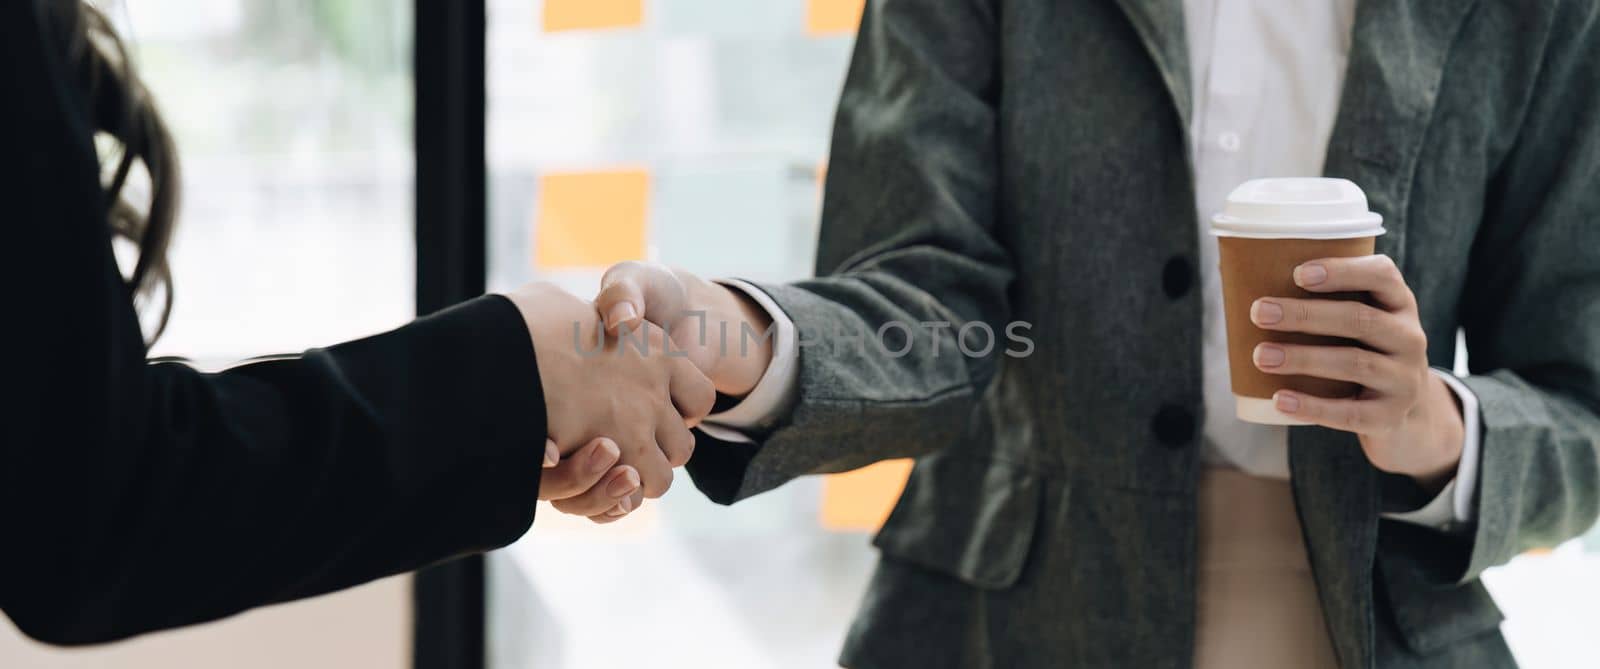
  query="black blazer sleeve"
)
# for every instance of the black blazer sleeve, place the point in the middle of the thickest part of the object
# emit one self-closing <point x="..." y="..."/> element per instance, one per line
<point x="137" y="496"/>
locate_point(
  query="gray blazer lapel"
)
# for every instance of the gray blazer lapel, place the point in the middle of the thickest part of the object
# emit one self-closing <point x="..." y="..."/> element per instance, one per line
<point x="1160" y="27"/>
<point x="1397" y="58"/>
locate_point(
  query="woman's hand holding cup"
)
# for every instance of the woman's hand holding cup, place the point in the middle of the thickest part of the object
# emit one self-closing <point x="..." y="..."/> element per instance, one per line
<point x="1407" y="418"/>
<point x="1323" y="331"/>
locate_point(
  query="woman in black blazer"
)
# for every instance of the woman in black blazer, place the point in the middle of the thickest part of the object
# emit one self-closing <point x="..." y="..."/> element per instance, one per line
<point x="138" y="496"/>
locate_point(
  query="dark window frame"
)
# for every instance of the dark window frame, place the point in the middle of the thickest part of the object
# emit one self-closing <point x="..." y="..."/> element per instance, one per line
<point x="449" y="603"/>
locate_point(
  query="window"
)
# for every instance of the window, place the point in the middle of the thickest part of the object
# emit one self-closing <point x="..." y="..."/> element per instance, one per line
<point x="690" y="132"/>
<point x="293" y="123"/>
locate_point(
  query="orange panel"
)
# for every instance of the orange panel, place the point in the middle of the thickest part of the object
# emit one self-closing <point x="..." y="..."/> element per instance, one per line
<point x="591" y="219"/>
<point x="861" y="500"/>
<point x="591" y="14"/>
<point x="830" y="17"/>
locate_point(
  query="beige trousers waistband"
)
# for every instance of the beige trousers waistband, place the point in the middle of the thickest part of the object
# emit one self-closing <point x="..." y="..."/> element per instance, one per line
<point x="1255" y="599"/>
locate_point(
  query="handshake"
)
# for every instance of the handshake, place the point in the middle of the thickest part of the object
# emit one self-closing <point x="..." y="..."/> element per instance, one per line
<point x="626" y="377"/>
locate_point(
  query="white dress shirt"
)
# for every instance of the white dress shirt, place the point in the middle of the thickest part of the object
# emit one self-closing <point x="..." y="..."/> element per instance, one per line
<point x="1266" y="76"/>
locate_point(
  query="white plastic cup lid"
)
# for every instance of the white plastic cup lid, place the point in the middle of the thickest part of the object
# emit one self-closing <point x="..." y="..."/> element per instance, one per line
<point x="1297" y="208"/>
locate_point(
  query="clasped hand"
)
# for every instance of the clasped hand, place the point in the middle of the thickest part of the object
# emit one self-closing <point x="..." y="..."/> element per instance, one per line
<point x="619" y="407"/>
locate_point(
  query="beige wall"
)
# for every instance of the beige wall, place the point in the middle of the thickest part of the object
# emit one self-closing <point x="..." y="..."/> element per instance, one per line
<point x="366" y="627"/>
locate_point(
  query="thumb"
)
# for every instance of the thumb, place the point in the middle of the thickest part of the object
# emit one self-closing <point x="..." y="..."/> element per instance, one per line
<point x="632" y="292"/>
<point x="552" y="454"/>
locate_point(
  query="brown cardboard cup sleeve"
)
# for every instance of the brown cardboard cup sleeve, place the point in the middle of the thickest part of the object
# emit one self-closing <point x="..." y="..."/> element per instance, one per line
<point x="1268" y="228"/>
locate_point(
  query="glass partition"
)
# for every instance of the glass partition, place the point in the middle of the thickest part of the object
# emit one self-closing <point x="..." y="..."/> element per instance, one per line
<point x="691" y="132"/>
<point x="292" y="120"/>
<point x="293" y="123"/>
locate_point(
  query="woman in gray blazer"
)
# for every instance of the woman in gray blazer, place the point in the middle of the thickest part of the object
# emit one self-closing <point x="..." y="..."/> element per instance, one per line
<point x="1087" y="503"/>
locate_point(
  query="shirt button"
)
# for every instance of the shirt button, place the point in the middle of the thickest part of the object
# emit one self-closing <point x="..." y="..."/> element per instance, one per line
<point x="1228" y="141"/>
<point x="1176" y="277"/>
<point x="1173" y="425"/>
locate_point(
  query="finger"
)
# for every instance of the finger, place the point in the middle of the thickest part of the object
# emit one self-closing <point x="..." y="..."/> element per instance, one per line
<point x="1375" y="327"/>
<point x="620" y="302"/>
<point x="615" y="489"/>
<point x="1361" y="416"/>
<point x="579" y="471"/>
<point x="634" y="291"/>
<point x="552" y="454"/>
<point x="623" y="508"/>
<point x="1341" y="363"/>
<point x="609" y="516"/>
<point x="675" y="440"/>
<point x="693" y="394"/>
<point x="1375" y="274"/>
<point x="655" y="474"/>
<point x="633" y="503"/>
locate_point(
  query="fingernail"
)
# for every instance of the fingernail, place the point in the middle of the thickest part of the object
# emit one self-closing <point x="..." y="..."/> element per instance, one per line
<point x="618" y="510"/>
<point x="1310" y="274"/>
<point x="621" y="313"/>
<point x="623" y="485"/>
<point x="1266" y="313"/>
<point x="1268" y="355"/>
<point x="603" y="456"/>
<point x="552" y="455"/>
<point x="1286" y="403"/>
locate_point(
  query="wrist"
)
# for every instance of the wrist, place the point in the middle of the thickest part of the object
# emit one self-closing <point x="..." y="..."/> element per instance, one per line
<point x="1448" y="433"/>
<point x="529" y="300"/>
<point x="747" y="349"/>
<point x="557" y="322"/>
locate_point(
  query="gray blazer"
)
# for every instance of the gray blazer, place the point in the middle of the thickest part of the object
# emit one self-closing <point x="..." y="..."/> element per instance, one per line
<point x="1000" y="160"/>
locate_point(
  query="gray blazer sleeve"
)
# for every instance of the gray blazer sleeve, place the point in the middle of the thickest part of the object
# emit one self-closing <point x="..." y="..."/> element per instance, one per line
<point x="908" y="238"/>
<point x="1532" y="313"/>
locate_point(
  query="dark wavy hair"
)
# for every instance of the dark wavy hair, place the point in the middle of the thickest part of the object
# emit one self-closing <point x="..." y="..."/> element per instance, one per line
<point x="122" y="109"/>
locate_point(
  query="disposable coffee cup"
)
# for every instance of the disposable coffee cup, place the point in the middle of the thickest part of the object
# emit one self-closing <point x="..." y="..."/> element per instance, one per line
<point x="1266" y="228"/>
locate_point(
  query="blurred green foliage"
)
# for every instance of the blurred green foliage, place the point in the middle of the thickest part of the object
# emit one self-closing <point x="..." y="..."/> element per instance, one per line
<point x="372" y="36"/>
<point x="281" y="77"/>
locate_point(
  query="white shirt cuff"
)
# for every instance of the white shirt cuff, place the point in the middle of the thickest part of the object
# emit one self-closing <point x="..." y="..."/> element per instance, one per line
<point x="1453" y="506"/>
<point x="771" y="398"/>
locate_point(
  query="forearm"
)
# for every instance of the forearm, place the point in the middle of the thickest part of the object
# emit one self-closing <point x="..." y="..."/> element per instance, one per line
<point x="279" y="480"/>
<point x="853" y="403"/>
<point x="908" y="319"/>
<point x="1532" y="311"/>
<point x="1539" y="482"/>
